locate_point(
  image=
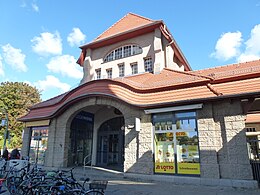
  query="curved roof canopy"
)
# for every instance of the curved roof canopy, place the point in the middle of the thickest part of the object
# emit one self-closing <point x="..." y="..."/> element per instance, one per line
<point x="157" y="90"/>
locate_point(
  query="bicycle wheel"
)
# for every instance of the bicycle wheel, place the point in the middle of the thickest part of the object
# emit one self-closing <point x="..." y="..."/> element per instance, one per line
<point x="94" y="192"/>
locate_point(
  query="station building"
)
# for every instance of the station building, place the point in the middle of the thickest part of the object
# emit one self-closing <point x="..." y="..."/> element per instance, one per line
<point x="140" y="108"/>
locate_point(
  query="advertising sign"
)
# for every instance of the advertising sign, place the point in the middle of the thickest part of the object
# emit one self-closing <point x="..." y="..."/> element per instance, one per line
<point x="189" y="168"/>
<point x="164" y="167"/>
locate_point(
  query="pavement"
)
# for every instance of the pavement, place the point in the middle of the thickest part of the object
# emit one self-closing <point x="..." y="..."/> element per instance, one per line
<point x="119" y="184"/>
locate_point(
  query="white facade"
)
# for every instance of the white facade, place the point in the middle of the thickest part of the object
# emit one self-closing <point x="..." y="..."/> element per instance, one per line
<point x="153" y="45"/>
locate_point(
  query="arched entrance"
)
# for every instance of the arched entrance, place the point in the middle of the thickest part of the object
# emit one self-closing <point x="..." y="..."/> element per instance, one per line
<point x="81" y="136"/>
<point x="110" y="148"/>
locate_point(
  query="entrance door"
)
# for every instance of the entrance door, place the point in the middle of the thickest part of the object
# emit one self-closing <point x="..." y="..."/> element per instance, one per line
<point x="110" y="152"/>
<point x="81" y="138"/>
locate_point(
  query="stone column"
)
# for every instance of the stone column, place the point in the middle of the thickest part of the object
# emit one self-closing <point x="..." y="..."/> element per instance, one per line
<point x="26" y="142"/>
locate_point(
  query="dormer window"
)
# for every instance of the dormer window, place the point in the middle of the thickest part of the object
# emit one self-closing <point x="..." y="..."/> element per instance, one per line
<point x="123" y="52"/>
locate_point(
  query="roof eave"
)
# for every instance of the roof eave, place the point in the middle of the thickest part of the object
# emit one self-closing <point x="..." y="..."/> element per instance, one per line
<point x="124" y="35"/>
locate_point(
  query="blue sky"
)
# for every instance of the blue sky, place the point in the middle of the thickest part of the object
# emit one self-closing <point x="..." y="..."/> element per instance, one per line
<point x="39" y="40"/>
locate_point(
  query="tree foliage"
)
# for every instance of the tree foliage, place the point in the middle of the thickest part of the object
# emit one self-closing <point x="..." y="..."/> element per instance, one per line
<point x="16" y="98"/>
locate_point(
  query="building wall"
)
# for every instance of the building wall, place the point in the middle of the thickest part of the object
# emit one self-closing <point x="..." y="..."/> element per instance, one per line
<point x="153" y="45"/>
<point x="59" y="131"/>
<point x="222" y="141"/>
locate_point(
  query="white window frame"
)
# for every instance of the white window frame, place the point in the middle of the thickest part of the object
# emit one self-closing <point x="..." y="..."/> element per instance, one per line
<point x="109" y="73"/>
<point x="134" y="66"/>
<point x="98" y="73"/>
<point x="148" y="64"/>
<point x="121" y="69"/>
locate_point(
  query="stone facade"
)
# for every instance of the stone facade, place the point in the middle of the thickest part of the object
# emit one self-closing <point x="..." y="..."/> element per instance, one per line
<point x="222" y="141"/>
<point x="221" y="131"/>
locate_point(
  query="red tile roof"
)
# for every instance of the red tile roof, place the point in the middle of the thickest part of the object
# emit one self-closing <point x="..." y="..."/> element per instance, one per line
<point x="253" y="118"/>
<point x="167" y="88"/>
<point x="128" y="22"/>
<point x="132" y="25"/>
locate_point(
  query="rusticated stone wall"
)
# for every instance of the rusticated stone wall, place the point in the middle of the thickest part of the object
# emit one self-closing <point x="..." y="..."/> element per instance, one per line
<point x="222" y="141"/>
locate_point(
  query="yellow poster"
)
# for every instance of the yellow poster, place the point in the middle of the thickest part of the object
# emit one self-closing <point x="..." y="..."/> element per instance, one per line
<point x="164" y="167"/>
<point x="189" y="168"/>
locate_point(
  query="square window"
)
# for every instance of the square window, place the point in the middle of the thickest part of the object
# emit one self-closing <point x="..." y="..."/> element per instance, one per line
<point x="98" y="73"/>
<point x="148" y="66"/>
<point x="109" y="73"/>
<point x="134" y="68"/>
<point x="121" y="68"/>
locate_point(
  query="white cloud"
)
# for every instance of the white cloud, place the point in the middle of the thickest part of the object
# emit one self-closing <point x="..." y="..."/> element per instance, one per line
<point x="47" y="43"/>
<point x="51" y="82"/>
<point x="252" y="51"/>
<point x="14" y="57"/>
<point x="35" y="7"/>
<point x="2" y="73"/>
<point x="227" y="46"/>
<point x="76" y="37"/>
<point x="66" y="65"/>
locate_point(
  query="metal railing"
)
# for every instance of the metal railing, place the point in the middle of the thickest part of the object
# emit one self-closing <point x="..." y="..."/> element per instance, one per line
<point x="87" y="160"/>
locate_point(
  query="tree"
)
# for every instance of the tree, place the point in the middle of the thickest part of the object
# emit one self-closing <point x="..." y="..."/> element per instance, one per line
<point x="16" y="98"/>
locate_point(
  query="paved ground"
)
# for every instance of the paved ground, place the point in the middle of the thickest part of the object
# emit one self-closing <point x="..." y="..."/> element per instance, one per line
<point x="125" y="187"/>
<point x="119" y="185"/>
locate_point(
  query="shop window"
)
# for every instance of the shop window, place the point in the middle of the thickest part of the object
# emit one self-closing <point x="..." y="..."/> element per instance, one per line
<point x="176" y="143"/>
<point x="38" y="145"/>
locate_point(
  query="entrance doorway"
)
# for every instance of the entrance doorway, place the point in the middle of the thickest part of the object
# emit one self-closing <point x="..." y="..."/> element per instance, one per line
<point x="81" y="138"/>
<point x="110" y="153"/>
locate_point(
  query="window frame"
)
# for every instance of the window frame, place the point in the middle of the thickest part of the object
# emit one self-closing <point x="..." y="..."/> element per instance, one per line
<point x="134" y="64"/>
<point x="150" y="67"/>
<point x="119" y="52"/>
<point x="98" y="73"/>
<point x="109" y="73"/>
<point x="121" y="69"/>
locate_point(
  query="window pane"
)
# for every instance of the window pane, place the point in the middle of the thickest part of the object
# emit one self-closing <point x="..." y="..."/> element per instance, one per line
<point x="136" y="49"/>
<point x="185" y="114"/>
<point x="134" y="68"/>
<point x="98" y="73"/>
<point x="148" y="65"/>
<point x="109" y="73"/>
<point x="118" y="53"/>
<point x="127" y="51"/>
<point x="121" y="68"/>
<point x="109" y="57"/>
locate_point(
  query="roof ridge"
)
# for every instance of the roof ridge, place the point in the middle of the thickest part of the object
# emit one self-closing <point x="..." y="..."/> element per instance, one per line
<point x="111" y="27"/>
<point x="227" y="65"/>
<point x="191" y="74"/>
<point x="136" y="15"/>
<point x="130" y="13"/>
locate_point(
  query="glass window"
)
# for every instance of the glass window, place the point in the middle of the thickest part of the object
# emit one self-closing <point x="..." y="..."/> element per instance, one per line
<point x="38" y="146"/>
<point x="109" y="73"/>
<point x="109" y="57"/>
<point x="98" y="73"/>
<point x="148" y="66"/>
<point x="118" y="53"/>
<point x="136" y="50"/>
<point x="121" y="68"/>
<point x="134" y="68"/>
<point x="122" y="52"/>
<point x="127" y="51"/>
<point x="176" y="143"/>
